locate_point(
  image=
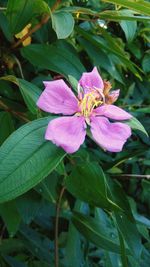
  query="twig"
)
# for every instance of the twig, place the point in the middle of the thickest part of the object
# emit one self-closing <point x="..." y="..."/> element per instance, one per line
<point x="56" y="226"/>
<point x="139" y="176"/>
<point x="55" y="5"/>
<point x="37" y="26"/>
<point x="3" y="8"/>
<point x="15" y="113"/>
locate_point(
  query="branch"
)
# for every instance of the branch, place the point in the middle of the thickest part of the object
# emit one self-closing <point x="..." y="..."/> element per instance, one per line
<point x="37" y="26"/>
<point x="34" y="29"/>
<point x="127" y="176"/>
<point x="15" y="113"/>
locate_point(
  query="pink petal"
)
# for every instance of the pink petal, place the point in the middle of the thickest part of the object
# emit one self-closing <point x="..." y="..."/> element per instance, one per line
<point x="112" y="96"/>
<point x="112" y="112"/>
<point x="58" y="98"/>
<point x="110" y="136"/>
<point x="67" y="132"/>
<point x="115" y="94"/>
<point x="91" y="79"/>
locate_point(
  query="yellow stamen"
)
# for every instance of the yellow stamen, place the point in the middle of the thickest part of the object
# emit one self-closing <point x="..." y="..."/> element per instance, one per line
<point x="89" y="102"/>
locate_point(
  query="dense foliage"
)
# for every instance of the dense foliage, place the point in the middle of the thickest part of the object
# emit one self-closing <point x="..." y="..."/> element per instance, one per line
<point x="93" y="205"/>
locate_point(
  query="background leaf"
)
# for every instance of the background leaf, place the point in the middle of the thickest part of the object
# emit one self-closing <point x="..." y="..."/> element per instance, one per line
<point x="63" y="24"/>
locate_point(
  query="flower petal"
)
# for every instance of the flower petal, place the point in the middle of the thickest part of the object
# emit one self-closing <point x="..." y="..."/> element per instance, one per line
<point x="58" y="98"/>
<point x="112" y="112"/>
<point x="91" y="79"/>
<point x="67" y="132"/>
<point x="110" y="136"/>
<point x="112" y="96"/>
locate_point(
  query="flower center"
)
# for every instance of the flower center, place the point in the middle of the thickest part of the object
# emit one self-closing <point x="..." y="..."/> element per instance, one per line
<point x="90" y="101"/>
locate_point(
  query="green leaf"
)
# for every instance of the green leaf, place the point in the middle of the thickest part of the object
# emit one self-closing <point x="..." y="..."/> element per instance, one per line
<point x="109" y="45"/>
<point x="4" y="25"/>
<point x="87" y="182"/>
<point x="63" y="23"/>
<point x="130" y="234"/>
<point x="140" y="6"/>
<point x="100" y="58"/>
<point x="36" y="243"/>
<point x="7" y="126"/>
<point x="11" y="245"/>
<point x="19" y="14"/>
<point x="129" y="27"/>
<point x="117" y="15"/>
<point x="32" y="159"/>
<point x="30" y="93"/>
<point x="73" y="247"/>
<point x="47" y="188"/>
<point x="28" y="206"/>
<point x="13" y="262"/>
<point x="125" y="221"/>
<point x="123" y="250"/>
<point x="11" y="217"/>
<point x="117" y="195"/>
<point x="94" y="232"/>
<point x="111" y="15"/>
<point x="124" y="258"/>
<point x="73" y="251"/>
<point x="136" y="125"/>
<point x="54" y="58"/>
<point x="73" y="82"/>
<point x="146" y="62"/>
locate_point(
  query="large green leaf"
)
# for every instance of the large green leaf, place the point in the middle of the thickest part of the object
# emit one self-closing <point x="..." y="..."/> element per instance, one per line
<point x="54" y="58"/>
<point x="63" y="23"/>
<point x="94" y="232"/>
<point x="87" y="182"/>
<point x="26" y="158"/>
<point x="140" y="6"/>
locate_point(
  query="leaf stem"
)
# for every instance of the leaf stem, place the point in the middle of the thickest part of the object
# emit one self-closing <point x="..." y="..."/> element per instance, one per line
<point x="58" y="205"/>
<point x="126" y="176"/>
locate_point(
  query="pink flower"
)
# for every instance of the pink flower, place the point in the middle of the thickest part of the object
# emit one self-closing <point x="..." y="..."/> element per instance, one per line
<point x="93" y="106"/>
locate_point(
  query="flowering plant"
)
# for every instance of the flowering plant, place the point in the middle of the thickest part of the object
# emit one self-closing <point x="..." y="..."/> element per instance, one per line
<point x="74" y="188"/>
